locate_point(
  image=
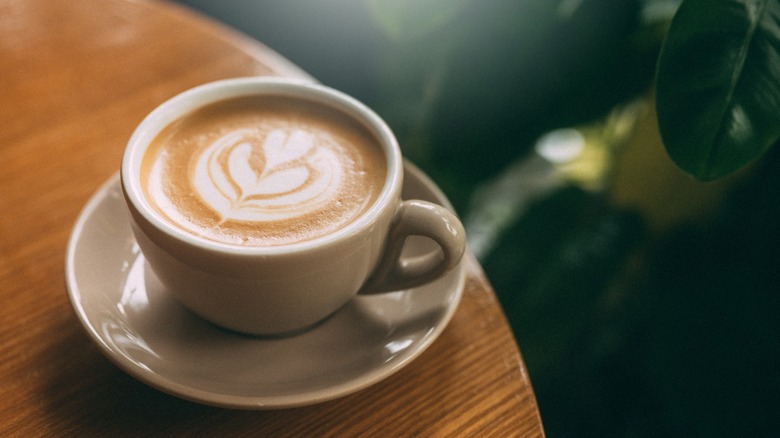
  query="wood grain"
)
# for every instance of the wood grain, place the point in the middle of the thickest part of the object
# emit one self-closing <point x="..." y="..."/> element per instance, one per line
<point x="76" y="76"/>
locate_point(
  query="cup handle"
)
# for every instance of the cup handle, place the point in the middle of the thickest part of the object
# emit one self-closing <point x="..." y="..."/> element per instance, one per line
<point x="417" y="218"/>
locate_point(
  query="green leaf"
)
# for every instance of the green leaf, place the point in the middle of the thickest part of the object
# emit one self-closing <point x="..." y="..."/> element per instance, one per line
<point x="718" y="84"/>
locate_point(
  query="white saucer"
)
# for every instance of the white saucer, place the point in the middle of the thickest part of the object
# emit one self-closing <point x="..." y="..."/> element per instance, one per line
<point x="150" y="336"/>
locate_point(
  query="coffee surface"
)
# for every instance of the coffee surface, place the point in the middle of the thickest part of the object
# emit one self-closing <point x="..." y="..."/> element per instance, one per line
<point x="263" y="171"/>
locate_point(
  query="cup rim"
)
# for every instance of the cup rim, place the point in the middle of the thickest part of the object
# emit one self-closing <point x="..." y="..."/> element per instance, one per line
<point x="211" y="92"/>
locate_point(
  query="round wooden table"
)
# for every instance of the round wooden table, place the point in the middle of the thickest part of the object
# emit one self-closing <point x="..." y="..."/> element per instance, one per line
<point x="76" y="77"/>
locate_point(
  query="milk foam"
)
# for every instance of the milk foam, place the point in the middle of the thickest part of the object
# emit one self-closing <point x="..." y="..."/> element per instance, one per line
<point x="283" y="176"/>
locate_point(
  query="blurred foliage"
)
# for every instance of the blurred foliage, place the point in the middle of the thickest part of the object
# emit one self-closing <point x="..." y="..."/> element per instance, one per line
<point x="412" y="19"/>
<point x="476" y="93"/>
<point x="559" y="274"/>
<point x="644" y="304"/>
<point x="711" y="338"/>
<point x="627" y="332"/>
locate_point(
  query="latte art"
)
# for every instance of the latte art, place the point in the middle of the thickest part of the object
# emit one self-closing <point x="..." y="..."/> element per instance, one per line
<point x="285" y="176"/>
<point x="262" y="171"/>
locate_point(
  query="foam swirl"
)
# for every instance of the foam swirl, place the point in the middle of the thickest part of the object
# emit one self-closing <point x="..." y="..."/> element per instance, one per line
<point x="286" y="175"/>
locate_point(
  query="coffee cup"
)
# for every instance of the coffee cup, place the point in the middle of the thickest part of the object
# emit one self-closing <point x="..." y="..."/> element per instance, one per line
<point x="264" y="205"/>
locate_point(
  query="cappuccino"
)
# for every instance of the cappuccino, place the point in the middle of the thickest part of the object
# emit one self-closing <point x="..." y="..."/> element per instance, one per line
<point x="263" y="171"/>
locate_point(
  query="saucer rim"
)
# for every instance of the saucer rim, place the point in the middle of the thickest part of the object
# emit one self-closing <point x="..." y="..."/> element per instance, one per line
<point x="252" y="402"/>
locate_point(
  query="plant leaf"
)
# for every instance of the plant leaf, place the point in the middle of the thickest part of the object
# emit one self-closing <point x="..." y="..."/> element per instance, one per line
<point x="718" y="84"/>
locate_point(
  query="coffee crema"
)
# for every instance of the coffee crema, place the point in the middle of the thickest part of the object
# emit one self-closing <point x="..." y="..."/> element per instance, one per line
<point x="263" y="171"/>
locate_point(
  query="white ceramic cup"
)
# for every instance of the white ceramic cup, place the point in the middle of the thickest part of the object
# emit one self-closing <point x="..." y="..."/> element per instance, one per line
<point x="285" y="289"/>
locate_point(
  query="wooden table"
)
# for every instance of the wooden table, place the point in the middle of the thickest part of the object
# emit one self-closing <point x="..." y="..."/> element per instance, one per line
<point x="76" y="76"/>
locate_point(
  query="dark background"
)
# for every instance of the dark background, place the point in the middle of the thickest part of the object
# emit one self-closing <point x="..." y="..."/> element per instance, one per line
<point x="644" y="303"/>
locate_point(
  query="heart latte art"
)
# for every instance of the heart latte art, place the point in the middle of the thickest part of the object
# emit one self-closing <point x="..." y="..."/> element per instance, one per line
<point x="262" y="171"/>
<point x="284" y="176"/>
